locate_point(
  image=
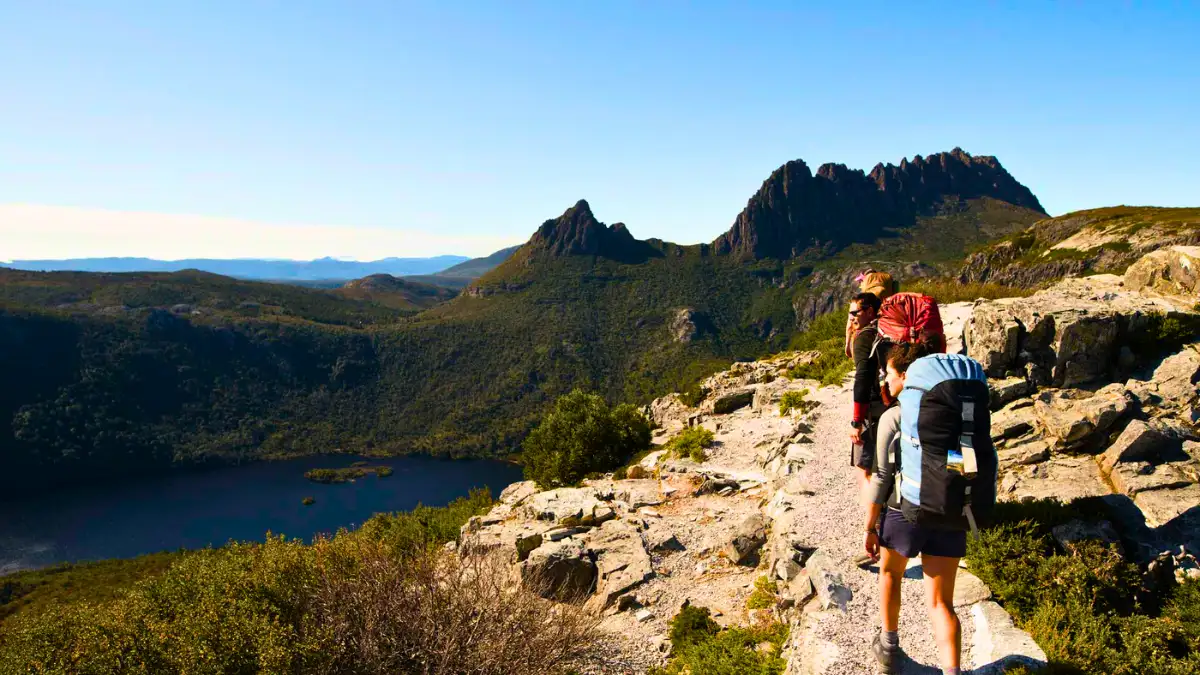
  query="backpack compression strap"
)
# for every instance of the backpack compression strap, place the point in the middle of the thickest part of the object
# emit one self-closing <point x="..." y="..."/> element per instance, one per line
<point x="969" y="466"/>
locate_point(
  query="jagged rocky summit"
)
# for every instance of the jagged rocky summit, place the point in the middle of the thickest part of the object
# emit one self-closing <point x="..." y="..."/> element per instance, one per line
<point x="796" y="210"/>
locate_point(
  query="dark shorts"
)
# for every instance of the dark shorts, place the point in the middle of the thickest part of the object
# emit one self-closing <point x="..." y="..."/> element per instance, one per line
<point x="863" y="456"/>
<point x="911" y="540"/>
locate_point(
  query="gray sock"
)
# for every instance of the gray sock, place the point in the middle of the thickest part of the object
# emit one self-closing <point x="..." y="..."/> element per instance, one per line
<point x="889" y="638"/>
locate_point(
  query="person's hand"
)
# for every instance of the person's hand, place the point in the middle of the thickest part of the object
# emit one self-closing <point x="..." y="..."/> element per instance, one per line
<point x="871" y="544"/>
<point x="856" y="436"/>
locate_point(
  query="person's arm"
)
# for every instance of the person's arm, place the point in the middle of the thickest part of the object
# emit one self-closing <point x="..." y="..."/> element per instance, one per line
<point x="884" y="473"/>
<point x="866" y="376"/>
<point x="881" y="479"/>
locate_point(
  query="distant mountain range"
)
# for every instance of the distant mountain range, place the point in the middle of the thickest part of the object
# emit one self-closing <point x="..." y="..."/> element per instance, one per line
<point x="274" y="270"/>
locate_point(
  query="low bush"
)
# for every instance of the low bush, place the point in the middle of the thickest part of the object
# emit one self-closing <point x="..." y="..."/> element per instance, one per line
<point x="1086" y="607"/>
<point x="691" y="443"/>
<point x="827" y="335"/>
<point x="699" y="645"/>
<point x="583" y="435"/>
<point x="765" y="594"/>
<point x="795" y="400"/>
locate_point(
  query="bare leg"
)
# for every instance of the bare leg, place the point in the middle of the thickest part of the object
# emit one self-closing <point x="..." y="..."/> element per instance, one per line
<point x="940" y="574"/>
<point x="891" y="574"/>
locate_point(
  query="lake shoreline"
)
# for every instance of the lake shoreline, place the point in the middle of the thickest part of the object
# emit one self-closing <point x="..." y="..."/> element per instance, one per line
<point x="138" y="515"/>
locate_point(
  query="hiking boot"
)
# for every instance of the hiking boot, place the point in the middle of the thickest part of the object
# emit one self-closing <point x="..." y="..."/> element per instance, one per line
<point x="887" y="656"/>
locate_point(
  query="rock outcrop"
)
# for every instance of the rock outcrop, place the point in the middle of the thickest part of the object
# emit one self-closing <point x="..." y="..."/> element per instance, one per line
<point x="796" y="210"/>
<point x="1084" y="242"/>
<point x="1065" y="336"/>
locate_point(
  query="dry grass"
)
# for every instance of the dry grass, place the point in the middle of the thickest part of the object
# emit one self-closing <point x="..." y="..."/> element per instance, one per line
<point x="442" y="615"/>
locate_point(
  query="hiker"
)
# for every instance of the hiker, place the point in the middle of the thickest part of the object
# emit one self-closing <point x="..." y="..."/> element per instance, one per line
<point x="943" y="413"/>
<point x="879" y="284"/>
<point x="868" y="401"/>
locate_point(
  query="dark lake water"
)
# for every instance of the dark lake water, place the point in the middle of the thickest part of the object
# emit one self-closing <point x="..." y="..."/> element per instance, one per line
<point x="198" y="508"/>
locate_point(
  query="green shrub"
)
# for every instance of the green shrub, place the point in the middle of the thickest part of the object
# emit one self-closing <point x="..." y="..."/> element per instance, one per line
<point x="827" y="335"/>
<point x="692" y="625"/>
<point x="1085" y="607"/>
<point x="383" y="471"/>
<point x="691" y="443"/>
<point x="699" y="645"/>
<point x="583" y="435"/>
<point x="796" y="400"/>
<point x="1165" y="335"/>
<point x="765" y="594"/>
<point x="308" y="501"/>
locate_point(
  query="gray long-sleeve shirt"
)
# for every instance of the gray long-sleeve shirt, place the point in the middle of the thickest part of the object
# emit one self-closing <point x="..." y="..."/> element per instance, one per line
<point x="883" y="480"/>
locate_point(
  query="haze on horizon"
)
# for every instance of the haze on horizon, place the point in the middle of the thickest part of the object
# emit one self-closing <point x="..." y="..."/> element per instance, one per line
<point x="227" y="130"/>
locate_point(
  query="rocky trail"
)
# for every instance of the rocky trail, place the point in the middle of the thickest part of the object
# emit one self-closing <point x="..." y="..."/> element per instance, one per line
<point x="1079" y="410"/>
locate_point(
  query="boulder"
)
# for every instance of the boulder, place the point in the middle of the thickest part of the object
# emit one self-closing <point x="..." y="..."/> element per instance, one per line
<point x="668" y="412"/>
<point x="638" y="493"/>
<point x="1132" y="478"/>
<point x="1173" y="271"/>
<point x="1160" y="507"/>
<point x="1024" y="452"/>
<point x="1063" y="478"/>
<point x="1139" y="442"/>
<point x="658" y="538"/>
<point x="747" y="539"/>
<point x="560" y="571"/>
<point x="1175" y="380"/>
<point x="727" y="403"/>
<point x="621" y="559"/>
<point x="1074" y="418"/>
<point x="714" y="485"/>
<point x="999" y="645"/>
<point x="991" y="337"/>
<point x="518" y="492"/>
<point x="832" y="592"/>
<point x="1013" y="421"/>
<point x="1008" y="390"/>
<point x="563" y="505"/>
<point x="1067" y="335"/>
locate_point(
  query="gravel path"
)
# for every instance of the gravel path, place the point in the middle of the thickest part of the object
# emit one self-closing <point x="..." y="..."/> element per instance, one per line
<point x="833" y="517"/>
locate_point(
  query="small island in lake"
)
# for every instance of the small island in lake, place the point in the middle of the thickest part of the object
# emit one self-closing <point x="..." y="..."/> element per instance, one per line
<point x="354" y="472"/>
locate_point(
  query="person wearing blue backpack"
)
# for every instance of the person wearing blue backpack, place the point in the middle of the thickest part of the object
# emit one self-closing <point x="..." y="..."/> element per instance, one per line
<point x="935" y="472"/>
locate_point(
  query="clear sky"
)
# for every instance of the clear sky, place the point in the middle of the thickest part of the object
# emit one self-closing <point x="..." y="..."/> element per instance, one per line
<point x="367" y="129"/>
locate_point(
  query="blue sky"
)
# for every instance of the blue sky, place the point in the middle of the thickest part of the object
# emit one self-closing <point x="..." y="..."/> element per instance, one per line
<point x="393" y="128"/>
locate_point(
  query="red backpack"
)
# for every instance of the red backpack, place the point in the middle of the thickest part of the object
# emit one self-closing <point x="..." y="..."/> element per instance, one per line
<point x="907" y="317"/>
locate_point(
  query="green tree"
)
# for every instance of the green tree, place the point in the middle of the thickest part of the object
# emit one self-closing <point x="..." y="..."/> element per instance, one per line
<point x="583" y="435"/>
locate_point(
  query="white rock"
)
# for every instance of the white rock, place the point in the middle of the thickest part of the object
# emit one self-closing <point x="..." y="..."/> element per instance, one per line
<point x="999" y="644"/>
<point x="644" y="616"/>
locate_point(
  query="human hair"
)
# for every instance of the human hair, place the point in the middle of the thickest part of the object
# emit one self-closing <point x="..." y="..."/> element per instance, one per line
<point x="902" y="355"/>
<point x="867" y="300"/>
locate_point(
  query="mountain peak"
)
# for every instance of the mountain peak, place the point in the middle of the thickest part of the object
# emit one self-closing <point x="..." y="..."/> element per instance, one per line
<point x="795" y="210"/>
<point x="577" y="232"/>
